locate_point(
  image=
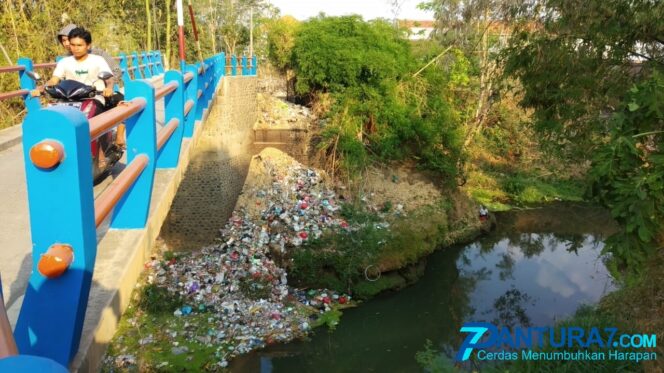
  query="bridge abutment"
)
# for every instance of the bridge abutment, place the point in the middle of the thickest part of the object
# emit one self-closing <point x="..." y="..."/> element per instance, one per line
<point x="217" y="170"/>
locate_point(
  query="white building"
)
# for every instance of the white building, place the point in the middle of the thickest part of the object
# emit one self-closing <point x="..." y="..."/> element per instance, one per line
<point x="418" y="30"/>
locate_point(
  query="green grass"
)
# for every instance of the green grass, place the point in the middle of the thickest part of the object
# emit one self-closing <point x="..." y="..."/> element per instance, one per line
<point x="500" y="191"/>
<point x="388" y="281"/>
<point x="164" y="330"/>
<point x="329" y="319"/>
<point x="150" y="316"/>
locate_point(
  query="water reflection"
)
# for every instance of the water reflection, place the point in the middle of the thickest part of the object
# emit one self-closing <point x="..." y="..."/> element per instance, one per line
<point x="533" y="279"/>
<point x="515" y="276"/>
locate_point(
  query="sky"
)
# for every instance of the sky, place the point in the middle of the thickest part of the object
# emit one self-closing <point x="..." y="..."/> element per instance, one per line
<point x="368" y="9"/>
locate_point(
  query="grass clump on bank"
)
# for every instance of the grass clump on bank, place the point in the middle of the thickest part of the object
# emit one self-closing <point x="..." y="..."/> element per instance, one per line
<point x="384" y="246"/>
<point x="150" y="339"/>
<point x="337" y="260"/>
<point x="502" y="191"/>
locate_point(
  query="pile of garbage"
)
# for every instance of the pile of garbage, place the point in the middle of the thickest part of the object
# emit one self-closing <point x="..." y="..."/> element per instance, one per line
<point x="236" y="283"/>
<point x="279" y="113"/>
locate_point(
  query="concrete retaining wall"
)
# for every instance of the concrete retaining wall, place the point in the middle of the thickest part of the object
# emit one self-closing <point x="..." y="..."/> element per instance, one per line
<point x="293" y="141"/>
<point x="217" y="170"/>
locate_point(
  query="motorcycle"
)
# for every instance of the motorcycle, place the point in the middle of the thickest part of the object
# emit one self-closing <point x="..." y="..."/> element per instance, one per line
<point x="81" y="96"/>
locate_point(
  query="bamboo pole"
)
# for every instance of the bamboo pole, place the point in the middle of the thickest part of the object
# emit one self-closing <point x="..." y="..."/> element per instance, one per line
<point x="432" y="61"/>
<point x="149" y="21"/>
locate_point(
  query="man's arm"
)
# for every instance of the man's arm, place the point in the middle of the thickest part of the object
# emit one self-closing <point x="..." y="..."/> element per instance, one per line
<point x="40" y="89"/>
<point x="108" y="91"/>
<point x="103" y="66"/>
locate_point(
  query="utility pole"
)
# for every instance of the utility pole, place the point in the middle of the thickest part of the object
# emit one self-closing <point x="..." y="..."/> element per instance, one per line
<point x="180" y="33"/>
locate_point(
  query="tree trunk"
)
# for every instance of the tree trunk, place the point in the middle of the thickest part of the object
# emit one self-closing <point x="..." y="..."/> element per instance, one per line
<point x="212" y="27"/>
<point x="169" y="34"/>
<point x="9" y="6"/>
<point x="148" y="17"/>
<point x="485" y="83"/>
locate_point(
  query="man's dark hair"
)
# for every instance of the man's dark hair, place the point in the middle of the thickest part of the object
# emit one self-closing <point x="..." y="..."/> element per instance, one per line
<point x="80" y="32"/>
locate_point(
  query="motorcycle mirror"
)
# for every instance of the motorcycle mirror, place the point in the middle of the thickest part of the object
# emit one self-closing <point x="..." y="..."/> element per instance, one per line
<point x="104" y="75"/>
<point x="33" y="75"/>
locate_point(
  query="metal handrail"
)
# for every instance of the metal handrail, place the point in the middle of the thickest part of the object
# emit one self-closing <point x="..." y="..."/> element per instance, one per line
<point x="45" y="65"/>
<point x="165" y="89"/>
<point x="166" y="132"/>
<point x="109" y="119"/>
<point x="13" y="94"/>
<point x="107" y="200"/>
<point x="188" y="106"/>
<point x="11" y="69"/>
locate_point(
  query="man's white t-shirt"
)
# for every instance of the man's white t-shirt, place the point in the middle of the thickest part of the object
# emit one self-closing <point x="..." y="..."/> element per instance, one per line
<point x="85" y="71"/>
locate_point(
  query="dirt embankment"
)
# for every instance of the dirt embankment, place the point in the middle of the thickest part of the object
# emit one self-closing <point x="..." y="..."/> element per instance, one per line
<point x="425" y="215"/>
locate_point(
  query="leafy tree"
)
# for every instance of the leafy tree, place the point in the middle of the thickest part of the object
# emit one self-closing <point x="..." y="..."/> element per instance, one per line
<point x="231" y="20"/>
<point x="592" y="72"/>
<point x="379" y="109"/>
<point x="280" y="40"/>
<point x="628" y="172"/>
<point x="576" y="62"/>
<point x="335" y="53"/>
<point x="478" y="28"/>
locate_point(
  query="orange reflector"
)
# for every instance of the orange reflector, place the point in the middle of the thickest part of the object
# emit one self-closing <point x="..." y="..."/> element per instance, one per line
<point x="46" y="154"/>
<point x="56" y="260"/>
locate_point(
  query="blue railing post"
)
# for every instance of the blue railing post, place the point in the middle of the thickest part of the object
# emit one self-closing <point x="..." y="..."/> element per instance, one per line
<point x="209" y="81"/>
<point x="222" y="68"/>
<point x="147" y="57"/>
<point x="174" y="104"/>
<point x="138" y="74"/>
<point x="215" y="69"/>
<point x="200" y="100"/>
<point x="254" y="65"/>
<point x="124" y="66"/>
<point x="234" y="65"/>
<point x="131" y="212"/>
<point x="146" y="67"/>
<point x="244" y="66"/>
<point x="31" y="103"/>
<point x="61" y="205"/>
<point x="159" y="62"/>
<point x="190" y="95"/>
<point x="25" y="363"/>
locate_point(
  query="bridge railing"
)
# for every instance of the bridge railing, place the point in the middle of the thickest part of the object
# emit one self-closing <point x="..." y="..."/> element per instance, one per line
<point x="64" y="215"/>
<point x="137" y="65"/>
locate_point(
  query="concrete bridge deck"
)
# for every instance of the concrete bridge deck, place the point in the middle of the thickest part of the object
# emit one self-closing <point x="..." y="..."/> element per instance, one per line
<point x="120" y="253"/>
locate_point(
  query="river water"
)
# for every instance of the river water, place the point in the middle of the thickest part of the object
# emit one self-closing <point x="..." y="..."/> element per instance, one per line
<point x="537" y="267"/>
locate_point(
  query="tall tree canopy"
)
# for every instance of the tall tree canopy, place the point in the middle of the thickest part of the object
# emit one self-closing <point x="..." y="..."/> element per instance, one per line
<point x="592" y="72"/>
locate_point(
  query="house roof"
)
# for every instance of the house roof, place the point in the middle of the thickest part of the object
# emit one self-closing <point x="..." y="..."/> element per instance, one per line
<point x="416" y="23"/>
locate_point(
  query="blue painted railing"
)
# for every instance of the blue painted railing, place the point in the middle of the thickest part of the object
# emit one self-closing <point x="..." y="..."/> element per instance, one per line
<point x="63" y="210"/>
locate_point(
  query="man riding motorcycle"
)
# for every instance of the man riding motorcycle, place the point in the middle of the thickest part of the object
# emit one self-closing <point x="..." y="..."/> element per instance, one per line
<point x="63" y="39"/>
<point x="84" y="67"/>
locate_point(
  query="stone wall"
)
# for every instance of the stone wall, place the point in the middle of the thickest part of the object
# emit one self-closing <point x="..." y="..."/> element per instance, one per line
<point x="292" y="141"/>
<point x="207" y="195"/>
